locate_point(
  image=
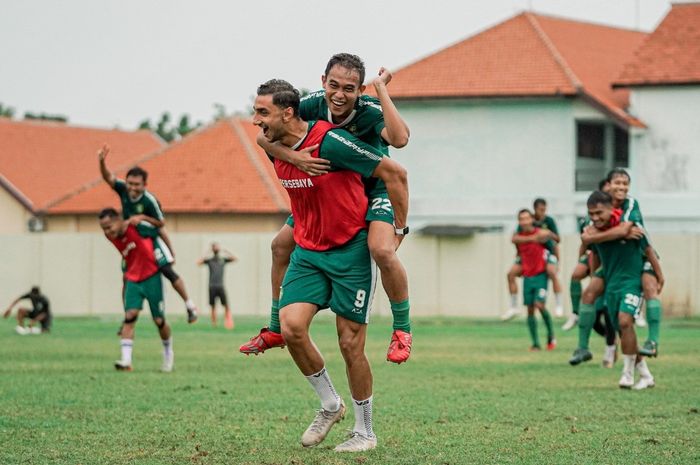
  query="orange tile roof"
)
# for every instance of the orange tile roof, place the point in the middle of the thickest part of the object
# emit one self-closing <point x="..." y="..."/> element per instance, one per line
<point x="42" y="161"/>
<point x="671" y="54"/>
<point x="218" y="168"/>
<point x="528" y="55"/>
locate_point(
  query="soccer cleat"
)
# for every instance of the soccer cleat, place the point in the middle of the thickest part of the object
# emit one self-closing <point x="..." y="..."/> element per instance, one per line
<point x="168" y="363"/>
<point x="258" y="344"/>
<point x="510" y="314"/>
<point x="641" y="322"/>
<point x="21" y="330"/>
<point x="357" y="443"/>
<point x="399" y="347"/>
<point x="626" y="380"/>
<point x="579" y="356"/>
<point x="228" y="321"/>
<point x="650" y="349"/>
<point x="644" y="382"/>
<point x="191" y="315"/>
<point x="34" y="330"/>
<point x="558" y="311"/>
<point x="570" y="323"/>
<point x="610" y="356"/>
<point x="121" y="365"/>
<point x="322" y="424"/>
<point x="552" y="344"/>
<point x="535" y="348"/>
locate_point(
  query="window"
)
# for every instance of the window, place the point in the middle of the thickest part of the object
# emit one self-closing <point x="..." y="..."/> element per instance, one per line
<point x="600" y="146"/>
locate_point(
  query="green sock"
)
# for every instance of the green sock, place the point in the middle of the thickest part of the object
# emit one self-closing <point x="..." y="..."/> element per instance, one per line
<point x="400" y="311"/>
<point x="275" y="317"/>
<point x="586" y="318"/>
<point x="548" y="323"/>
<point x="575" y="292"/>
<point x="654" y="318"/>
<point x="532" y="326"/>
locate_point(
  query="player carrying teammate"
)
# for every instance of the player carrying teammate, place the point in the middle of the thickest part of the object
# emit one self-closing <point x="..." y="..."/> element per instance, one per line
<point x="143" y="282"/>
<point x="533" y="258"/>
<point x="141" y="208"/>
<point x="331" y="265"/>
<point x="376" y="123"/>
<point x="622" y="262"/>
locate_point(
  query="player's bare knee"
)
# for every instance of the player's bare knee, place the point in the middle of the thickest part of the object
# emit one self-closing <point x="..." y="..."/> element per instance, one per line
<point x="383" y="254"/>
<point x="293" y="331"/>
<point x="626" y="322"/>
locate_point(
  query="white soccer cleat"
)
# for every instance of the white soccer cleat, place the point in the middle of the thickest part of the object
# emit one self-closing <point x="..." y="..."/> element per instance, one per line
<point x="510" y="314"/>
<point x="610" y="356"/>
<point x="644" y="382"/>
<point x="21" y="330"/>
<point x="626" y="380"/>
<point x="558" y="311"/>
<point x="570" y="323"/>
<point x="35" y="330"/>
<point x="168" y="363"/>
<point x="357" y="443"/>
<point x="322" y="424"/>
<point x="641" y="322"/>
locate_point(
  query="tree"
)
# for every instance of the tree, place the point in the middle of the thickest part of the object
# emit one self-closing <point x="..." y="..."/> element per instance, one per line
<point x="165" y="129"/>
<point x="6" y="111"/>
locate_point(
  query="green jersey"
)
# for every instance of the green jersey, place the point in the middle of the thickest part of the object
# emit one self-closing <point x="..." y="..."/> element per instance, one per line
<point x="147" y="205"/>
<point x="622" y="263"/>
<point x="631" y="212"/>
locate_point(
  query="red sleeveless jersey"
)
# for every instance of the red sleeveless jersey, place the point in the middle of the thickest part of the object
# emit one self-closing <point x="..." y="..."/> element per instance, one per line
<point x="138" y="254"/>
<point x="533" y="256"/>
<point x="328" y="210"/>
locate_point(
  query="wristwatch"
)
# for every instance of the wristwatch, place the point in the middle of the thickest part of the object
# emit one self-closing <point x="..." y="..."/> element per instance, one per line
<point x="400" y="231"/>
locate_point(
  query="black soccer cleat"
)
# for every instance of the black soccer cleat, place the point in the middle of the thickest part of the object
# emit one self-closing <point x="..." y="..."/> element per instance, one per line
<point x="580" y="355"/>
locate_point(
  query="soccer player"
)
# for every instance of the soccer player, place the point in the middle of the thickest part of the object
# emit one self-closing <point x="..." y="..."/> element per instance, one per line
<point x="216" y="263"/>
<point x="376" y="123"/>
<point x="142" y="209"/>
<point x="40" y="313"/>
<point x="143" y="282"/>
<point x="622" y="261"/>
<point x="533" y="261"/>
<point x="331" y="264"/>
<point x="541" y="221"/>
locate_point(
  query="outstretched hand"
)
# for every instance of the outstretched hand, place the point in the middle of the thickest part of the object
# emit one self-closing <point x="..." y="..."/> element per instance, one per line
<point x="7" y="313"/>
<point x="383" y="77"/>
<point x="102" y="153"/>
<point x="310" y="165"/>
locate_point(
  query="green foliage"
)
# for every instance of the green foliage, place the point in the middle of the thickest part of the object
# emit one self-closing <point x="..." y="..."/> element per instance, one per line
<point x="165" y="128"/>
<point x="6" y="111"/>
<point x="470" y="394"/>
<point x="45" y="117"/>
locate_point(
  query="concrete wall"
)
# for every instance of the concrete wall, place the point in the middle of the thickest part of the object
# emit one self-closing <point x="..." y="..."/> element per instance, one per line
<point x="666" y="156"/>
<point x="13" y="216"/>
<point x="448" y="276"/>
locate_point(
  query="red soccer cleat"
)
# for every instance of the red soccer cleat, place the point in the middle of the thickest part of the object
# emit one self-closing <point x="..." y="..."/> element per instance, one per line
<point x="399" y="347"/>
<point x="258" y="344"/>
<point x="551" y="345"/>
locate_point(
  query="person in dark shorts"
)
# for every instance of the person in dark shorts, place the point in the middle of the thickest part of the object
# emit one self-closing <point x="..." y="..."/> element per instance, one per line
<point x="216" y="264"/>
<point x="40" y="313"/>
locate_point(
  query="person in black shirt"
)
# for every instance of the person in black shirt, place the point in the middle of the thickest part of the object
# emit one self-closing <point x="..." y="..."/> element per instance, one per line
<point x="216" y="264"/>
<point x="39" y="313"/>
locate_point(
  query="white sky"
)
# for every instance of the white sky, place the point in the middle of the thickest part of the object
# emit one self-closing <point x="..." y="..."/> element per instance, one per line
<point x="116" y="62"/>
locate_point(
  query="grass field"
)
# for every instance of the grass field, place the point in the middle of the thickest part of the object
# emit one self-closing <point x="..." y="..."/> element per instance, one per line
<point x="471" y="393"/>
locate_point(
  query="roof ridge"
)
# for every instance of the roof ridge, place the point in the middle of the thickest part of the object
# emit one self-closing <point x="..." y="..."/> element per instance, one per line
<point x="558" y="58"/>
<point x="255" y="160"/>
<point x="16" y="193"/>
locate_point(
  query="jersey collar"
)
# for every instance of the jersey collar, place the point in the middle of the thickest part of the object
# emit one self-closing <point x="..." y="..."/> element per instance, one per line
<point x="345" y="122"/>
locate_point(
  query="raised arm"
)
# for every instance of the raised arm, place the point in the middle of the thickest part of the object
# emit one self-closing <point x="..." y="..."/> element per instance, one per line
<point x="395" y="177"/>
<point x="591" y="235"/>
<point x="156" y="223"/>
<point x="395" y="131"/>
<point x="302" y="159"/>
<point x="107" y="175"/>
<point x="228" y="256"/>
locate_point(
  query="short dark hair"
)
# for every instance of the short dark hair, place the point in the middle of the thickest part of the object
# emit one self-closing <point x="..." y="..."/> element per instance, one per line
<point x="349" y="61"/>
<point x="138" y="171"/>
<point x="598" y="197"/>
<point x="539" y="201"/>
<point x="284" y="95"/>
<point x="618" y="172"/>
<point x="602" y="183"/>
<point x="524" y="210"/>
<point x="34" y="290"/>
<point x="108" y="212"/>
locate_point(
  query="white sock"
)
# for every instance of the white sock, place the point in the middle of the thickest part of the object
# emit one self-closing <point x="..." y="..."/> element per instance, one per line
<point x="643" y="369"/>
<point x="363" y="417"/>
<point x="189" y="304"/>
<point x="322" y="384"/>
<point x="167" y="347"/>
<point x="127" y="346"/>
<point x="629" y="361"/>
<point x="513" y="300"/>
<point x="557" y="299"/>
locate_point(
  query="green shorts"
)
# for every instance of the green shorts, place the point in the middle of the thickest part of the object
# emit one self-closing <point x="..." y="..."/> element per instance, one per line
<point x="599" y="273"/>
<point x="583" y="259"/>
<point x="647" y="268"/>
<point x="380" y="209"/>
<point x="628" y="300"/>
<point x="518" y="260"/>
<point x="150" y="289"/>
<point x="551" y="259"/>
<point x="535" y="289"/>
<point x="343" y="279"/>
<point x="290" y="221"/>
<point x="163" y="254"/>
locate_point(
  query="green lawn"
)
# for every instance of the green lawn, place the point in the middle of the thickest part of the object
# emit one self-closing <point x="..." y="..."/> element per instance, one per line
<point x="471" y="393"/>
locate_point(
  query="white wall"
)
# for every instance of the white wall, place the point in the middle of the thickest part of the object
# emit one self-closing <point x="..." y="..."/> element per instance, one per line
<point x="80" y="272"/>
<point x="666" y="156"/>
